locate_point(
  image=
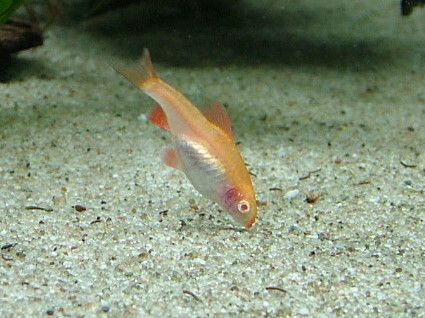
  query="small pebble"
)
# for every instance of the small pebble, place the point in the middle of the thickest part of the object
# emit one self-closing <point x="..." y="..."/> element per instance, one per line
<point x="304" y="312"/>
<point x="294" y="228"/>
<point x="105" y="308"/>
<point x="292" y="194"/>
<point x="375" y="199"/>
<point x="143" y="118"/>
<point x="312" y="197"/>
<point x="50" y="311"/>
<point x="80" y="208"/>
<point x="408" y="182"/>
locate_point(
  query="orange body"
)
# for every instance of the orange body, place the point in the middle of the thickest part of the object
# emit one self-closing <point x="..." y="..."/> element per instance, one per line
<point x="203" y="146"/>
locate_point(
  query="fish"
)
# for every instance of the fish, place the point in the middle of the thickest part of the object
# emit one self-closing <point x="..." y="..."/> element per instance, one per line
<point x="203" y="144"/>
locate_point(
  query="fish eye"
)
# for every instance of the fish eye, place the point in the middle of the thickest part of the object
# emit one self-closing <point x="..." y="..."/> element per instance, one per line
<point x="243" y="206"/>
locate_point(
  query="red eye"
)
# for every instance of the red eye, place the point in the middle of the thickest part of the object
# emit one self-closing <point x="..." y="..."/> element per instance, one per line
<point x="243" y="206"/>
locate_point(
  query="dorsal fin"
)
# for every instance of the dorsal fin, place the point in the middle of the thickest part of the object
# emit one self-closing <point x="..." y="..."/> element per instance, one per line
<point x="217" y="114"/>
<point x="158" y="118"/>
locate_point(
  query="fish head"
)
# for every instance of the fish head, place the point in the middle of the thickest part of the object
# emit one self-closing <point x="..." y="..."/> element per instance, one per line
<point x="241" y="205"/>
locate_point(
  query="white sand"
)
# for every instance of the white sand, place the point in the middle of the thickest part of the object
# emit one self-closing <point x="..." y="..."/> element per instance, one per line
<point x="332" y="92"/>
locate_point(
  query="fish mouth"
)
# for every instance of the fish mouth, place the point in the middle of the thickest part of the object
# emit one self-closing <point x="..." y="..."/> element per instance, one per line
<point x="251" y="223"/>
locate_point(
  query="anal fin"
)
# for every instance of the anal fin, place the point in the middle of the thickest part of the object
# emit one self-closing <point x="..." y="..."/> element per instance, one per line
<point x="158" y="118"/>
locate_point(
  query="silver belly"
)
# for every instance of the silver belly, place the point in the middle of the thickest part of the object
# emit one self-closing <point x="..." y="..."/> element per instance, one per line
<point x="203" y="169"/>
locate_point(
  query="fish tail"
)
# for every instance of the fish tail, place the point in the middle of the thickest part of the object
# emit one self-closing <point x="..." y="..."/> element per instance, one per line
<point x="143" y="73"/>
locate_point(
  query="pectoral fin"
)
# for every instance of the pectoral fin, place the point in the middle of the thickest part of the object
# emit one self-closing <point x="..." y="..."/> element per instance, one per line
<point x="171" y="158"/>
<point x="217" y="114"/>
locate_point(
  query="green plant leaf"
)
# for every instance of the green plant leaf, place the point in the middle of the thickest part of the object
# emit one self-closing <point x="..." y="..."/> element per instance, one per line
<point x="7" y="8"/>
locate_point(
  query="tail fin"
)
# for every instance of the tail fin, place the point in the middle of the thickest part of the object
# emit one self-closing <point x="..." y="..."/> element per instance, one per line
<point x="142" y="73"/>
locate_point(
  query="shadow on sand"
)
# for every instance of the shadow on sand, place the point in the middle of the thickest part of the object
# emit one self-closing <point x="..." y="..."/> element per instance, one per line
<point x="235" y="34"/>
